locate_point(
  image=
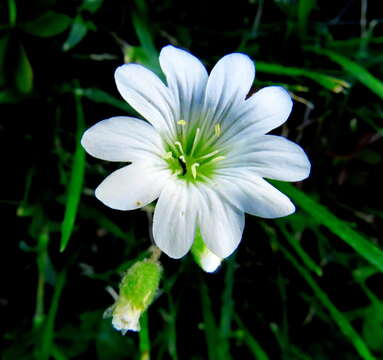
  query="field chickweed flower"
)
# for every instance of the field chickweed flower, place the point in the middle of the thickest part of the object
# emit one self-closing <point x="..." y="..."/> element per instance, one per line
<point x="203" y="151"/>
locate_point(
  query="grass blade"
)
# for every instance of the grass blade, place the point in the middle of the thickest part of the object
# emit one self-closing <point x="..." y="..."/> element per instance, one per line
<point x="76" y="179"/>
<point x="356" y="70"/>
<point x="307" y="260"/>
<point x="210" y="325"/>
<point x="342" y="322"/>
<point x="328" y="82"/>
<point x="251" y="342"/>
<point x="337" y="226"/>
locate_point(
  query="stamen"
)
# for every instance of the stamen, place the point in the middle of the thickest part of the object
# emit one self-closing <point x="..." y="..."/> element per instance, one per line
<point x="180" y="146"/>
<point x="181" y="122"/>
<point x="195" y="141"/>
<point x="182" y="158"/>
<point x="168" y="155"/>
<point x="217" y="130"/>
<point x="194" y="170"/>
<point x="209" y="155"/>
<point x="218" y="158"/>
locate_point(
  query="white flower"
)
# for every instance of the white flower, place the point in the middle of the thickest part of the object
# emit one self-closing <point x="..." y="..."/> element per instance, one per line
<point x="203" y="151"/>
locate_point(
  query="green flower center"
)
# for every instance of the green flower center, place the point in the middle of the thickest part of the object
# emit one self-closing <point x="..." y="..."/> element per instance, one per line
<point x="193" y="156"/>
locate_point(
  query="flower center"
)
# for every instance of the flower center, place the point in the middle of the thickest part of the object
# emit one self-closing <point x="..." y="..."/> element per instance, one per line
<point x="190" y="156"/>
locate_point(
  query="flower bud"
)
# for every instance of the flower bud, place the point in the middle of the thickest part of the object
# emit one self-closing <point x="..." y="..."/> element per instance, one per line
<point x="137" y="290"/>
<point x="206" y="259"/>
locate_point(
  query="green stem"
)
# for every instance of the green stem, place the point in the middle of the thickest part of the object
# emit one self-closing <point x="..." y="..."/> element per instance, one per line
<point x="47" y="335"/>
<point x="227" y="306"/>
<point x="144" y="337"/>
<point x="43" y="240"/>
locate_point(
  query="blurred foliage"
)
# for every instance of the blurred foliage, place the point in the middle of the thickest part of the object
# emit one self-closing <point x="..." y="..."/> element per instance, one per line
<point x="304" y="287"/>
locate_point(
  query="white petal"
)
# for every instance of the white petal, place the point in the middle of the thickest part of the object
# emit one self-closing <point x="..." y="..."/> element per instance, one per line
<point x="251" y="194"/>
<point x="132" y="186"/>
<point x="267" y="109"/>
<point x="146" y="93"/>
<point x="221" y="224"/>
<point x="186" y="78"/>
<point x="122" y="139"/>
<point x="210" y="262"/>
<point x="269" y="156"/>
<point x="228" y="84"/>
<point x="174" y="221"/>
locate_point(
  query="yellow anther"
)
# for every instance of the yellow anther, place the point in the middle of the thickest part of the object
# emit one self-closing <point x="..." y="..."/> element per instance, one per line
<point x="168" y="155"/>
<point x="179" y="146"/>
<point x="181" y="122"/>
<point x="183" y="158"/>
<point x="194" y="170"/>
<point x="217" y="130"/>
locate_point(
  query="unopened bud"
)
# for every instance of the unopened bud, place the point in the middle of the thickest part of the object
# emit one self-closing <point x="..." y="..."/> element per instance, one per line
<point x="206" y="259"/>
<point x="137" y="290"/>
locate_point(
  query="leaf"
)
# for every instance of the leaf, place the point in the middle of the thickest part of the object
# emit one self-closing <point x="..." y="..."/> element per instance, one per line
<point x="77" y="32"/>
<point x="337" y="226"/>
<point x="76" y="180"/>
<point x="3" y="56"/>
<point x="251" y="342"/>
<point x="91" y="5"/>
<point x="48" y="24"/>
<point x="331" y="83"/>
<point x="307" y="260"/>
<point x="339" y="318"/>
<point x="373" y="326"/>
<point x="23" y="72"/>
<point x="100" y="96"/>
<point x="210" y="327"/>
<point x="304" y="9"/>
<point x="353" y="68"/>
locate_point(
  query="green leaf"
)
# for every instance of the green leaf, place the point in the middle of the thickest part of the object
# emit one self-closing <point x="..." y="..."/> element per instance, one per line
<point x="91" y="5"/>
<point x="210" y="327"/>
<point x="341" y="320"/>
<point x="100" y="96"/>
<point x="329" y="82"/>
<point x="12" y="12"/>
<point x="373" y="326"/>
<point x="142" y="28"/>
<point x="356" y="70"/>
<point x="251" y="342"/>
<point x="48" y="24"/>
<point x="337" y="226"/>
<point x="77" y="32"/>
<point x="76" y="180"/>
<point x="24" y="72"/>
<point x="3" y="56"/>
<point x="307" y="260"/>
<point x="304" y="9"/>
